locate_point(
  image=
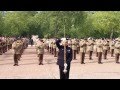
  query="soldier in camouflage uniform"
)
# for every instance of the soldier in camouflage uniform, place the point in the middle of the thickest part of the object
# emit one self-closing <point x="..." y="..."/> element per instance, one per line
<point x="0" y="47"/>
<point x="54" y="49"/>
<point x="117" y="50"/>
<point x="74" y="48"/>
<point x="105" y="48"/>
<point x="90" y="46"/>
<point x="112" y="47"/>
<point x="99" y="50"/>
<point x="17" y="46"/>
<point x="78" y="46"/>
<point x="40" y="51"/>
<point x="83" y="46"/>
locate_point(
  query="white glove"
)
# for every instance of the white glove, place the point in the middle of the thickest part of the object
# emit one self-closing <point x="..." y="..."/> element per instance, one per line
<point x="65" y="68"/>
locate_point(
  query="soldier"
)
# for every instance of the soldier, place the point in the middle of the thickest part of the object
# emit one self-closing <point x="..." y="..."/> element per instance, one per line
<point x="47" y="44"/>
<point x="17" y="50"/>
<point x="96" y="47"/>
<point x="8" y="43"/>
<point x="40" y="51"/>
<point x="117" y="50"/>
<point x="60" y="60"/>
<point x="78" y="47"/>
<point x="4" y="46"/>
<point x="112" y="46"/>
<point x="82" y="50"/>
<point x="51" y="47"/>
<point x="74" y="48"/>
<point x="90" y="46"/>
<point x="99" y="50"/>
<point x="31" y="41"/>
<point x="0" y="47"/>
<point x="54" y="49"/>
<point x="105" y="48"/>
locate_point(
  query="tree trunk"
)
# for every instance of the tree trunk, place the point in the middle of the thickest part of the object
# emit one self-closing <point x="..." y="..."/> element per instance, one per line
<point x="111" y="36"/>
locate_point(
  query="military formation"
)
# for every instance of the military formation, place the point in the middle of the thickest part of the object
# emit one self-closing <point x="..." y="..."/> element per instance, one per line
<point x="65" y="50"/>
<point x="19" y="45"/>
<point x="5" y="44"/>
<point x="101" y="47"/>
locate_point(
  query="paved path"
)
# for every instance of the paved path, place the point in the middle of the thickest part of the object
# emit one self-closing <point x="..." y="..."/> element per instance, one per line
<point x="29" y="69"/>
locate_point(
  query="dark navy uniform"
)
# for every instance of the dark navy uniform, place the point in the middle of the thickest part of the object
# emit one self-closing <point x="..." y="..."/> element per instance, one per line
<point x="60" y="60"/>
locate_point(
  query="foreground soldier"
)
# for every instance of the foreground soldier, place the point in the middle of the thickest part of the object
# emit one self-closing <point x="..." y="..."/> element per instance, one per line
<point x="17" y="51"/>
<point x="40" y="51"/>
<point x="60" y="61"/>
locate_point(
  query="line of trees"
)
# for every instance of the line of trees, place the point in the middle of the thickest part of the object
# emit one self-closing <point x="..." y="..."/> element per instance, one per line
<point x="78" y="24"/>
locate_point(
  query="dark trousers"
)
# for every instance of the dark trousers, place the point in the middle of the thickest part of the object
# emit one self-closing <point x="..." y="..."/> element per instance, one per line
<point x="90" y="55"/>
<point x="74" y="54"/>
<point x="99" y="57"/>
<point x="105" y="54"/>
<point x="112" y="52"/>
<point x="52" y="50"/>
<point x="82" y="57"/>
<point x="0" y="50"/>
<point x="62" y="74"/>
<point x="40" y="58"/>
<point x="16" y="57"/>
<point x="55" y="54"/>
<point x="3" y="49"/>
<point x="78" y="50"/>
<point x="117" y="57"/>
<point x="96" y="54"/>
<point x="48" y="48"/>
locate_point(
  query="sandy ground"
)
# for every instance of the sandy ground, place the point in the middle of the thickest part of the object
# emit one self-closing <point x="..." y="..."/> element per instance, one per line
<point x="29" y="69"/>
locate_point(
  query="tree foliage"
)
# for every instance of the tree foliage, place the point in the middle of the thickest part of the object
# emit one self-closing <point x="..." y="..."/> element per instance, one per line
<point x="50" y="24"/>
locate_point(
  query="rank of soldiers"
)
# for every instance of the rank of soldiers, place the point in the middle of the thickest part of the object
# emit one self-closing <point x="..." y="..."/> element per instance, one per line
<point x="101" y="47"/>
<point x="90" y="46"/>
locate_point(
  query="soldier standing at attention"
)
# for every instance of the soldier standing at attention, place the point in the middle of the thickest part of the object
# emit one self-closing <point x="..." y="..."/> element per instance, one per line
<point x="99" y="50"/>
<point x="74" y="48"/>
<point x="17" y="50"/>
<point x="90" y="46"/>
<point x="78" y="46"/>
<point x="54" y="49"/>
<point x="117" y="50"/>
<point x="82" y="50"/>
<point x="60" y="60"/>
<point x="112" y="46"/>
<point x="40" y="50"/>
<point x="0" y="47"/>
<point x="105" y="48"/>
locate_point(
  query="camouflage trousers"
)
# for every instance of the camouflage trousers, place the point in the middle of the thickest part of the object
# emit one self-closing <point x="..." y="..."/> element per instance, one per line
<point x="16" y="58"/>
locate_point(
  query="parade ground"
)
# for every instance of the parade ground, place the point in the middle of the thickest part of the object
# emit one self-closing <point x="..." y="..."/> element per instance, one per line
<point x="29" y="69"/>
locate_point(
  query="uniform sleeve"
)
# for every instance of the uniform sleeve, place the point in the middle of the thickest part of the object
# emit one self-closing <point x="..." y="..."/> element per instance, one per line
<point x="58" y="43"/>
<point x="13" y="45"/>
